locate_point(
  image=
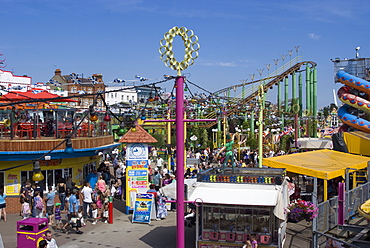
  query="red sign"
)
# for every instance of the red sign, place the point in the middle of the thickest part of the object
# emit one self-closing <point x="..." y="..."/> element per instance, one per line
<point x="53" y="162"/>
<point x="12" y="177"/>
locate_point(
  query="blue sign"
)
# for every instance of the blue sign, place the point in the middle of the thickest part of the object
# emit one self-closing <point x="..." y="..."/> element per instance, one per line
<point x="137" y="173"/>
<point x="142" y="208"/>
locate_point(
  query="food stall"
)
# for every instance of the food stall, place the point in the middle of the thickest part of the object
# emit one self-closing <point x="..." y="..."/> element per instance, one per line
<point x="234" y="207"/>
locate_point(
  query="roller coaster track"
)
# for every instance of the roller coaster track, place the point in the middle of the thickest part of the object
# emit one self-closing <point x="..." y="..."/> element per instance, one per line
<point x="235" y="104"/>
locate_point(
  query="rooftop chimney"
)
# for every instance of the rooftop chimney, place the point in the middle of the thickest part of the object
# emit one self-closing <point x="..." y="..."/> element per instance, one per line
<point x="99" y="77"/>
<point x="58" y="72"/>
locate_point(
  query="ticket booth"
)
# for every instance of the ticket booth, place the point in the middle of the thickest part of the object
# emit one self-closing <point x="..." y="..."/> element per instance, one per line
<point x="31" y="231"/>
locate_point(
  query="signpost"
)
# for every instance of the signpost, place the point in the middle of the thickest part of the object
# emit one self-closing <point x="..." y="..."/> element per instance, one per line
<point x="137" y="172"/>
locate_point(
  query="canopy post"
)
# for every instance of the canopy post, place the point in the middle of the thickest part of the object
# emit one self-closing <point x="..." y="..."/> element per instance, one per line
<point x="325" y="189"/>
<point x="314" y="221"/>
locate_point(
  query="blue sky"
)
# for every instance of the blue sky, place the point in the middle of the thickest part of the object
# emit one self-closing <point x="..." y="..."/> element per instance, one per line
<point x="120" y="38"/>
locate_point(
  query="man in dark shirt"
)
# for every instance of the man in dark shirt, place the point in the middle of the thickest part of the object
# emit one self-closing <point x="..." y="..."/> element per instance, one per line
<point x="39" y="189"/>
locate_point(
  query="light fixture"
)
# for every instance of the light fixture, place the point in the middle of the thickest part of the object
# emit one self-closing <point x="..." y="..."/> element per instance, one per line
<point x="69" y="149"/>
<point x="107" y="117"/>
<point x="93" y="116"/>
<point x="133" y="129"/>
<point x="37" y="175"/>
<point x="121" y="129"/>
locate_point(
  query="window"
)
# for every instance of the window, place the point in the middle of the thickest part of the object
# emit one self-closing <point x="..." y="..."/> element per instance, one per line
<point x="111" y="95"/>
<point x="240" y="218"/>
<point x="51" y="177"/>
<point x="89" y="90"/>
<point x="128" y="98"/>
<point x="73" y="89"/>
<point x="122" y="97"/>
<point x="89" y="168"/>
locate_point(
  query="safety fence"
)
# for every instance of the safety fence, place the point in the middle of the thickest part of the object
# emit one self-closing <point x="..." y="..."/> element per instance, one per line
<point x="328" y="210"/>
<point x="327" y="241"/>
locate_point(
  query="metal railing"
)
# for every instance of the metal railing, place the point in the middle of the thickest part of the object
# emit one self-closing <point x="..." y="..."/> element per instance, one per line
<point x="325" y="240"/>
<point x="328" y="210"/>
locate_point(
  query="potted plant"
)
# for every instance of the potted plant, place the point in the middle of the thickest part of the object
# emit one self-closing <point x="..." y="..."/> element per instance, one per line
<point x="299" y="210"/>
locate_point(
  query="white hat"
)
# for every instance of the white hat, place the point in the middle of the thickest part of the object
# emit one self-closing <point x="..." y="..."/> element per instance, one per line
<point x="156" y="169"/>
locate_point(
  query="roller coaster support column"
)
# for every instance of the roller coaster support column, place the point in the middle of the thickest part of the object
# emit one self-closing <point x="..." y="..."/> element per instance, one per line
<point x="294" y="89"/>
<point x="308" y="90"/>
<point x="252" y="124"/>
<point x="286" y="91"/>
<point x="314" y="97"/>
<point x="294" y="107"/>
<point x="224" y="127"/>
<point x="260" y="126"/>
<point x="279" y="100"/>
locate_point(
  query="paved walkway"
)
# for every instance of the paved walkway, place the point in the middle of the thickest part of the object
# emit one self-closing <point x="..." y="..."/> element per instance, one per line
<point x="122" y="233"/>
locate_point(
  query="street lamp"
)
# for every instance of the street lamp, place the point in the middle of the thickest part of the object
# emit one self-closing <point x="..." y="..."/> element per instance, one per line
<point x="357" y="53"/>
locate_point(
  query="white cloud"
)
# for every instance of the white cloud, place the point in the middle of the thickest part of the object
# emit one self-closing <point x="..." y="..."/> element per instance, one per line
<point x="314" y="36"/>
<point x="227" y="64"/>
<point x="221" y="63"/>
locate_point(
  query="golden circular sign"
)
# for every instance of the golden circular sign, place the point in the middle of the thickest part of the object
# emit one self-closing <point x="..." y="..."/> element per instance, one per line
<point x="191" y="48"/>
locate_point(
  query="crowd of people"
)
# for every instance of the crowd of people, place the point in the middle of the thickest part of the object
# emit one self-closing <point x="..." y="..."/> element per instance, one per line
<point x="74" y="207"/>
<point x="69" y="208"/>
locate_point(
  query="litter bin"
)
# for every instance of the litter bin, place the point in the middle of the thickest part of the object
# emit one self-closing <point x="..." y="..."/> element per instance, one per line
<point x="31" y="231"/>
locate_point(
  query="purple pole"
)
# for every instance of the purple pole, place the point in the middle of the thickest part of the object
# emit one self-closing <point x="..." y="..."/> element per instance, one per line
<point x="180" y="162"/>
<point x="341" y="200"/>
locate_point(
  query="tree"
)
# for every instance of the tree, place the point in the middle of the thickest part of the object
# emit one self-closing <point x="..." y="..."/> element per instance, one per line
<point x="204" y="139"/>
<point x="161" y="141"/>
<point x="252" y="143"/>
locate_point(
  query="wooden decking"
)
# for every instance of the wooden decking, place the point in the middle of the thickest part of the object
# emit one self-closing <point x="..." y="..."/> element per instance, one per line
<point x="48" y="143"/>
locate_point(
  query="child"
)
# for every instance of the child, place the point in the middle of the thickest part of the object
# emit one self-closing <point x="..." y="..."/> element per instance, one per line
<point x="106" y="213"/>
<point x="254" y="241"/>
<point x="58" y="217"/>
<point x="80" y="216"/>
<point x="99" y="203"/>
<point x="26" y="211"/>
<point x="247" y="244"/>
<point x="94" y="211"/>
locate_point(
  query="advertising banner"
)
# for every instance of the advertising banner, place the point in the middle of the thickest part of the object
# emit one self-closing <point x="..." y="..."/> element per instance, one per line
<point x="12" y="183"/>
<point x="143" y="208"/>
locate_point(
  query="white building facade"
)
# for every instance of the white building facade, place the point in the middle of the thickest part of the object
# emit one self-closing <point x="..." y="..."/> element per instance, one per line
<point x="10" y="82"/>
<point x="120" y="94"/>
